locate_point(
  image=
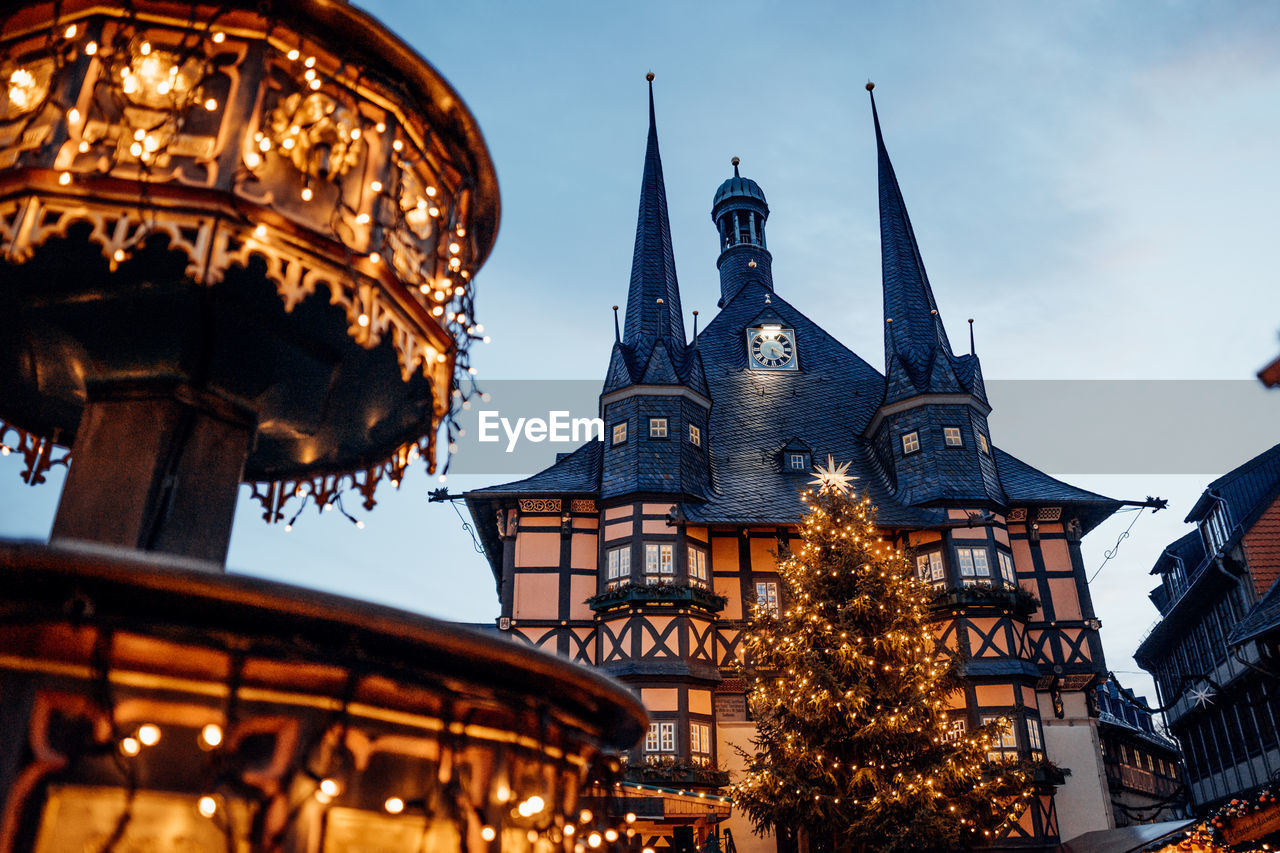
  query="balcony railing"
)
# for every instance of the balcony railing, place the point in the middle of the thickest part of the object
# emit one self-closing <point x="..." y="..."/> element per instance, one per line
<point x="1013" y="598"/>
<point x="657" y="594"/>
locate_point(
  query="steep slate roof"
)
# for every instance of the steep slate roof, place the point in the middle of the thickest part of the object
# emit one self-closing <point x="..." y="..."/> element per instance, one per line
<point x="1247" y="490"/>
<point x="1244" y="489"/>
<point x="917" y="354"/>
<point x="827" y="404"/>
<point x="1024" y="484"/>
<point x="653" y="349"/>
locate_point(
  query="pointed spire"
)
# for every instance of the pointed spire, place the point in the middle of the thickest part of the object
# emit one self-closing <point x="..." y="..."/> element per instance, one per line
<point x="617" y="335"/>
<point x="914" y="335"/>
<point x="653" y="300"/>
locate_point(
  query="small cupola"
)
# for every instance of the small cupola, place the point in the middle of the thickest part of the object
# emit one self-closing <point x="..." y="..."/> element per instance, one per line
<point x="740" y="211"/>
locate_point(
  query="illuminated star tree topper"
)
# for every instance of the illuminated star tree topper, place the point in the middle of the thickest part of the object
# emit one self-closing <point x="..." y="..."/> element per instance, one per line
<point x="833" y="478"/>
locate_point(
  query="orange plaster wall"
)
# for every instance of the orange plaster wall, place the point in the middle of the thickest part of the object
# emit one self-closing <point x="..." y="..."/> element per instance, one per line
<point x="975" y="639"/>
<point x="1002" y="535"/>
<point x="539" y="521"/>
<point x="1262" y="549"/>
<point x="969" y="533"/>
<point x="652" y="526"/>
<point x="724" y="554"/>
<point x="614" y="512"/>
<point x="700" y="702"/>
<point x="537" y="596"/>
<point x="1066" y="604"/>
<point x="1022" y="556"/>
<point x="657" y="509"/>
<point x="959" y="514"/>
<point x="994" y="694"/>
<point x="923" y="537"/>
<point x="697" y="534"/>
<point x="581" y="587"/>
<point x="1050" y="527"/>
<point x="618" y="530"/>
<point x="762" y="558"/>
<point x="660" y="624"/>
<point x="587" y="523"/>
<point x="1055" y="554"/>
<point x="537" y="550"/>
<point x="731" y="589"/>
<point x="660" y="698"/>
<point x="583" y="551"/>
<point x="1028" y="697"/>
<point x="955" y="699"/>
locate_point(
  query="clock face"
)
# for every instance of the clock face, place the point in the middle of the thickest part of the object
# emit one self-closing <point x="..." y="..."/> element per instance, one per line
<point x="772" y="348"/>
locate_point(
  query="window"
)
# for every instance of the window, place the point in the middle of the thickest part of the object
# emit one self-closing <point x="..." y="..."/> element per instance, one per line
<point x="1004" y="746"/>
<point x="695" y="436"/>
<point x="1007" y="573"/>
<point x="658" y="562"/>
<point x="767" y="597"/>
<point x="929" y="567"/>
<point x="700" y="742"/>
<point x="620" y="432"/>
<point x="1035" y="739"/>
<point x="1214" y="528"/>
<point x="657" y="427"/>
<point x="951" y="435"/>
<point x="697" y="566"/>
<point x="973" y="566"/>
<point x="795" y="461"/>
<point x="619" y="566"/>
<point x="982" y="444"/>
<point x="956" y="727"/>
<point x="910" y="442"/>
<point x="660" y="738"/>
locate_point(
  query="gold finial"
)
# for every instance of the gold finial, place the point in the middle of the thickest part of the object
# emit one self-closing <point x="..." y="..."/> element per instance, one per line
<point x="735" y="161"/>
<point x="649" y="76"/>
<point x="752" y="263"/>
<point x="870" y="85"/>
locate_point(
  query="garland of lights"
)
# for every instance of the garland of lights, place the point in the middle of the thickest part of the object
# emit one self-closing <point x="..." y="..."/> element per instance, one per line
<point x="151" y="95"/>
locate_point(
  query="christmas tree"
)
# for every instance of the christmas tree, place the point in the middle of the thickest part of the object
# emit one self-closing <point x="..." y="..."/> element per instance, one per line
<point x="851" y="697"/>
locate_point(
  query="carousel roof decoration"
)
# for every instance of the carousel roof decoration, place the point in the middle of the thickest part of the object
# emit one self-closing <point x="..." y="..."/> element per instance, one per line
<point x="324" y="157"/>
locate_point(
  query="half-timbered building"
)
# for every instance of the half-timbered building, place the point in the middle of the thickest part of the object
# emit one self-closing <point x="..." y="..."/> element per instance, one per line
<point x="643" y="554"/>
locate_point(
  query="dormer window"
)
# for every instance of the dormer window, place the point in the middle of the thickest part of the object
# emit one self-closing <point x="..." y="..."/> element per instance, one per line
<point x="951" y="436"/>
<point x="1213" y="527"/>
<point x="798" y="461"/>
<point x="910" y="442"/>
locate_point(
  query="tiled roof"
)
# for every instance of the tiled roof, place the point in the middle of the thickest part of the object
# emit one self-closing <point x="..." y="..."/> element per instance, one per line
<point x="576" y="473"/>
<point x="1243" y="489"/>
<point x="1024" y="484"/>
<point x="917" y="353"/>
<point x="653" y="299"/>
<point x="1263" y="619"/>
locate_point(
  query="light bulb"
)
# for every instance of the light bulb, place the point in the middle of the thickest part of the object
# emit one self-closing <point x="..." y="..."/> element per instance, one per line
<point x="149" y="734"/>
<point x="207" y="806"/>
<point x="211" y="735"/>
<point x="393" y="805"/>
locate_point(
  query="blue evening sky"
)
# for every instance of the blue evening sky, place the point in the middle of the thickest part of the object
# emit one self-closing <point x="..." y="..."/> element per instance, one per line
<point x="1095" y="182"/>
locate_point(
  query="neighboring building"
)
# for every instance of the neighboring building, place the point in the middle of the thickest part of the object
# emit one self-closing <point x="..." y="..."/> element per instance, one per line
<point x="1213" y="654"/>
<point x="642" y="554"/>
<point x="1142" y="764"/>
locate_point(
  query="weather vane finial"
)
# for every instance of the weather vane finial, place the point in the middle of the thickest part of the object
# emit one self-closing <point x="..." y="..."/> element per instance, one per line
<point x="870" y="85"/>
<point x="649" y="76"/>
